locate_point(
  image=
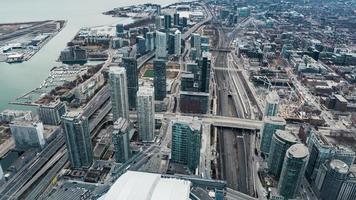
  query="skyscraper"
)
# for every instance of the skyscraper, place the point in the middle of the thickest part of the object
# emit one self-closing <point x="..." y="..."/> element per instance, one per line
<point x="195" y="42"/>
<point x="160" y="87"/>
<point x="141" y="45"/>
<point x="270" y="126"/>
<point x="51" y="113"/>
<point x="130" y="64"/>
<point x="27" y="134"/>
<point x="119" y="29"/>
<point x="293" y="169"/>
<point x="348" y="188"/>
<point x="77" y="138"/>
<point x="186" y="141"/>
<point x="177" y="42"/>
<point x="320" y="150"/>
<point x="205" y="64"/>
<point x="272" y="101"/>
<point x="150" y="41"/>
<point x="281" y="141"/>
<point x="167" y="22"/>
<point x="146" y="113"/>
<point x="344" y="154"/>
<point x="161" y="45"/>
<point x="121" y="139"/>
<point x="335" y="174"/>
<point x="119" y="95"/>
<point x="176" y="19"/>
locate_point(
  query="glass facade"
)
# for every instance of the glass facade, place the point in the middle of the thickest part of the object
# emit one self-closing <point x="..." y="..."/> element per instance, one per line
<point x="293" y="170"/>
<point x="270" y="126"/>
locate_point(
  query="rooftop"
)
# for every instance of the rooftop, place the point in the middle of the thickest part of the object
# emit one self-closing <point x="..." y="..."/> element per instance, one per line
<point x="286" y="136"/>
<point x="140" y="185"/>
<point x="298" y="151"/>
<point x="339" y="166"/>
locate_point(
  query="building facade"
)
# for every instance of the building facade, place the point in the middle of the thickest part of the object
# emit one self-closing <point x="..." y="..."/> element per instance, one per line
<point x="177" y="43"/>
<point x="272" y="101"/>
<point x="160" y="85"/>
<point x="50" y="114"/>
<point x="130" y="64"/>
<point x="293" y="169"/>
<point x="121" y="139"/>
<point x="270" y="126"/>
<point x="27" y="134"/>
<point x="119" y="94"/>
<point x="78" y="140"/>
<point x="186" y="141"/>
<point x="146" y="113"/>
<point x="281" y="141"/>
<point x="161" y="45"/>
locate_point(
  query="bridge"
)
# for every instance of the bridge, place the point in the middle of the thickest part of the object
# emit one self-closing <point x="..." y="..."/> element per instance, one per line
<point x="217" y="121"/>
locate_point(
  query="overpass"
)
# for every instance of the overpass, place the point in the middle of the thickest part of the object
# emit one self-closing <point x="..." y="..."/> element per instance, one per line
<point x="215" y="120"/>
<point x="235" y="195"/>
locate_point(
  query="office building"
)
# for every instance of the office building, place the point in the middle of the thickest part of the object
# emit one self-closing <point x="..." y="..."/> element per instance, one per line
<point x="293" y="169"/>
<point x="348" y="188"/>
<point x="167" y="22"/>
<point x="270" y="126"/>
<point x="133" y="185"/>
<point x="161" y="45"/>
<point x="141" y="45"/>
<point x="119" y="94"/>
<point x="78" y="140"/>
<point x="344" y="154"/>
<point x="186" y="141"/>
<point x="121" y="139"/>
<point x="73" y="55"/>
<point x="176" y="19"/>
<point x="333" y="175"/>
<point x="146" y="113"/>
<point x="120" y="29"/>
<point x="194" y="102"/>
<point x="195" y="42"/>
<point x="272" y="101"/>
<point x="281" y="141"/>
<point x="150" y="41"/>
<point x="51" y="113"/>
<point x="160" y="85"/>
<point x="177" y="43"/>
<point x="159" y="22"/>
<point x="184" y="22"/>
<point x="187" y="82"/>
<point x="205" y="65"/>
<point x="171" y="43"/>
<point x="130" y="64"/>
<point x="27" y="134"/>
<point x="320" y="150"/>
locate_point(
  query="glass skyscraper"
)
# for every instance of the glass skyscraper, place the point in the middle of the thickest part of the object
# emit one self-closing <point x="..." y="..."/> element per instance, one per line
<point x="160" y="85"/>
<point x="270" y="126"/>
<point x="281" y="141"/>
<point x="186" y="141"/>
<point x="272" y="101"/>
<point x="130" y="64"/>
<point x="293" y="169"/>
<point x="119" y="95"/>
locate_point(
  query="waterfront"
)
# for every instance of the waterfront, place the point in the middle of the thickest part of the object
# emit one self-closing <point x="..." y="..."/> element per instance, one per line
<point x="17" y="79"/>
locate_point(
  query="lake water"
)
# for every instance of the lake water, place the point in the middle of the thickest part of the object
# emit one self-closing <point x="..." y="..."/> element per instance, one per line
<point x="17" y="79"/>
